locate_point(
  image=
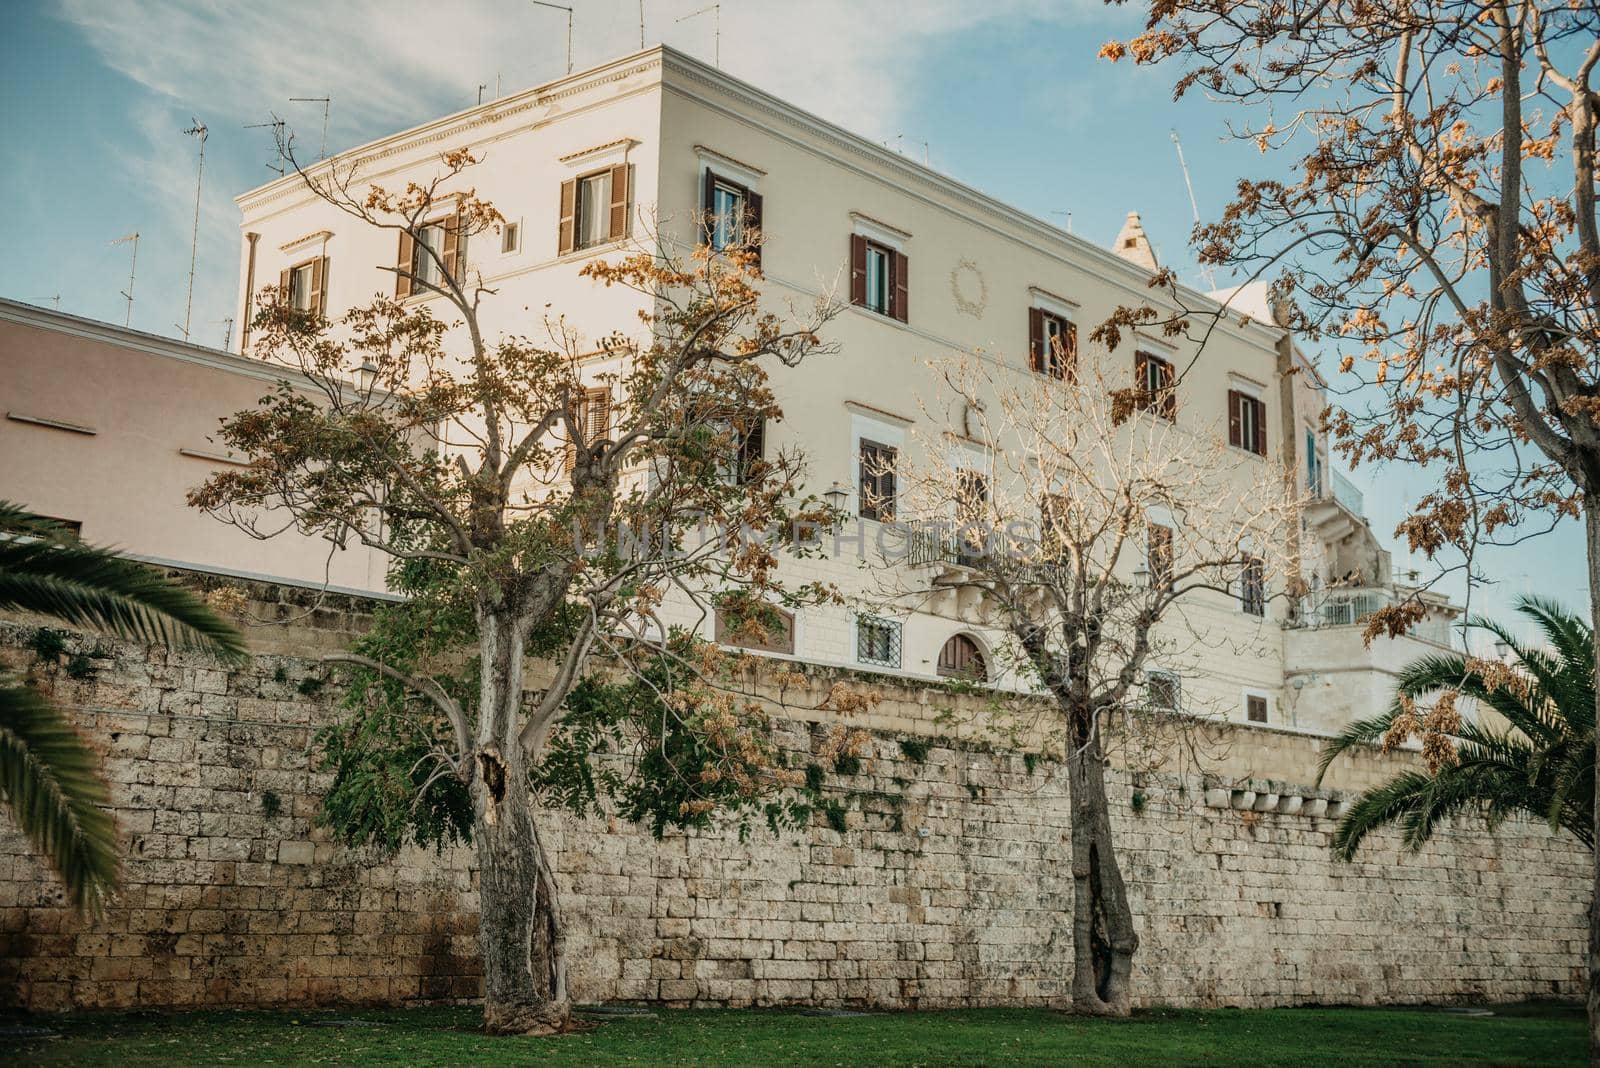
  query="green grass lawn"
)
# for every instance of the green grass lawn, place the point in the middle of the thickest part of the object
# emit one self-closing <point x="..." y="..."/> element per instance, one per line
<point x="1515" y="1034"/>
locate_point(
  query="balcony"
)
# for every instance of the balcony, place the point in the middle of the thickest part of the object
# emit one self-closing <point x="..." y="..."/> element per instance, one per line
<point x="1352" y="606"/>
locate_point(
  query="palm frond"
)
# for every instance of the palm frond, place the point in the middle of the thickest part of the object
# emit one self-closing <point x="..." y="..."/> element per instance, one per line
<point x="84" y="585"/>
<point x="50" y="781"/>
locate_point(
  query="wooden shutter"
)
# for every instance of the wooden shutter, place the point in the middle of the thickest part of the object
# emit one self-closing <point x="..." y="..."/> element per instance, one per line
<point x="1069" y="350"/>
<point x="404" y="263"/>
<point x="901" y="277"/>
<point x="752" y="448"/>
<point x="1169" y="396"/>
<point x="619" y="201"/>
<point x="1261" y="427"/>
<point x="451" y="244"/>
<point x="597" y="423"/>
<point x="1141" y="380"/>
<point x="319" y="284"/>
<point x="1235" y="418"/>
<point x="567" y="230"/>
<point x="752" y="223"/>
<point x="858" y="269"/>
<point x="283" y="285"/>
<point x="1036" y="340"/>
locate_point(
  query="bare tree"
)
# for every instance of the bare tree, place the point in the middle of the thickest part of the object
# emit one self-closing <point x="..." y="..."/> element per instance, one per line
<point x="1437" y="225"/>
<point x="1096" y="532"/>
<point x="498" y="475"/>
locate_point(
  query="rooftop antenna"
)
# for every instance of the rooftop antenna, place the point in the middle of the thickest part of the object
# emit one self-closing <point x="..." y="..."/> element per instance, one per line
<point x="716" y="31"/>
<point x="568" y="10"/>
<point x="197" y="130"/>
<point x="277" y="125"/>
<point x="133" y="265"/>
<point x="641" y="25"/>
<point x="1068" y="214"/>
<point x="56" y="300"/>
<point x="227" y="333"/>
<point x="326" y="104"/>
<point x="481" y="87"/>
<point x="1194" y="205"/>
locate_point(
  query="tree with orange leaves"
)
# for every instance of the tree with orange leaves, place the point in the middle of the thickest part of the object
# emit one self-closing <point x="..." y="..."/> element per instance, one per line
<point x="1439" y="227"/>
<point x="525" y="518"/>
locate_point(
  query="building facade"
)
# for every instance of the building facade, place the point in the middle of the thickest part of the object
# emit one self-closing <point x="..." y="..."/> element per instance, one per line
<point x="643" y="149"/>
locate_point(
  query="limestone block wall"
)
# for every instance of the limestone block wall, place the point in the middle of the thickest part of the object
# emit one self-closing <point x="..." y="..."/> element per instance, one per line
<point x="948" y="886"/>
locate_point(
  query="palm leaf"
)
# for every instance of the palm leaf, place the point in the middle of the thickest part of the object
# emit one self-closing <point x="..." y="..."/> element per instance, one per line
<point x="45" y="573"/>
<point x="50" y="782"/>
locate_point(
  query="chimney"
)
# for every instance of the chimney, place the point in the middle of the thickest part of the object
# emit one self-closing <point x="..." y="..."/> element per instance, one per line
<point x="1134" y="245"/>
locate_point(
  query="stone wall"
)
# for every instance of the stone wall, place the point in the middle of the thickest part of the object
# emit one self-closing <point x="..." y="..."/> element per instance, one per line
<point x="948" y="886"/>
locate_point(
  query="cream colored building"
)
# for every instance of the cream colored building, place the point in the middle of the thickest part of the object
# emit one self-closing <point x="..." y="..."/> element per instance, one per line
<point x="637" y="149"/>
<point x="107" y="429"/>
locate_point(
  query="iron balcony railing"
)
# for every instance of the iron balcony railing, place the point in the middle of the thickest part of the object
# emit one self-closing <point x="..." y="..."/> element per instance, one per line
<point x="1349" y="606"/>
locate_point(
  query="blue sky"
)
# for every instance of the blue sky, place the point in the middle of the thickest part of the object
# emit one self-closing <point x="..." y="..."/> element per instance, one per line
<point x="1007" y="94"/>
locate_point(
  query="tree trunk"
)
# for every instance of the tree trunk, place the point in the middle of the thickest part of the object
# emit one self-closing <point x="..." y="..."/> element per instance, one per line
<point x="519" y="927"/>
<point x="1591" y="517"/>
<point x="1103" y="936"/>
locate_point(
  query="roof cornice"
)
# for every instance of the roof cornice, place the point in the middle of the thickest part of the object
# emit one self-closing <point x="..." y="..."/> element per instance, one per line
<point x="453" y="126"/>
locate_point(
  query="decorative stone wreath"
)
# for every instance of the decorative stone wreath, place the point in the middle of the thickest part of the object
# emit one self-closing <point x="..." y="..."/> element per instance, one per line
<point x="969" y="288"/>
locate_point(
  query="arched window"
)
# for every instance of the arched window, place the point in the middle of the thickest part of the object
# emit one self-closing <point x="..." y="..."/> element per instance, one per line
<point x="962" y="659"/>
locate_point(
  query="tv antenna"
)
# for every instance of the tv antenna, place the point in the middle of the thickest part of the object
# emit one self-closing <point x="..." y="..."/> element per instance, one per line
<point x="326" y="104"/>
<point x="1068" y="214"/>
<point x="899" y="146"/>
<point x="276" y="125"/>
<point x="197" y="130"/>
<point x="568" y="10"/>
<point x="133" y="265"/>
<point x="1194" y="205"/>
<point x="227" y="333"/>
<point x="716" y="30"/>
<point x="641" y="25"/>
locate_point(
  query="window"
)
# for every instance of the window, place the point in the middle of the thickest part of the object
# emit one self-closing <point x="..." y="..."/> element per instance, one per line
<point x="878" y="277"/>
<point x="510" y="237"/>
<point x="1164" y="690"/>
<point x="1313" y="465"/>
<point x="769" y="629"/>
<point x="592" y="414"/>
<point x="1255" y="707"/>
<point x="1247" y="422"/>
<point x="962" y="659"/>
<point x="878" y="641"/>
<point x="1052" y="344"/>
<point x="594" y="209"/>
<point x="1158" y="555"/>
<point x="436" y="251"/>
<point x="877" y="498"/>
<point x="731" y="210"/>
<point x="303" y="285"/>
<point x="752" y="448"/>
<point x="1154" y="379"/>
<point x="1253" y="585"/>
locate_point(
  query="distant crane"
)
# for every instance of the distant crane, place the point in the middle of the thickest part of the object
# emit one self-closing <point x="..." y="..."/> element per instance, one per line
<point x="1194" y="205"/>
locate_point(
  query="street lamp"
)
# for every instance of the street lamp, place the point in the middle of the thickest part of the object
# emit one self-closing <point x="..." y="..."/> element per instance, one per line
<point x="836" y="496"/>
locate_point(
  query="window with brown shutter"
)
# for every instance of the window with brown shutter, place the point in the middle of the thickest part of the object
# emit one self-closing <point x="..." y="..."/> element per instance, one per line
<point x="730" y="215"/>
<point x="961" y="658"/>
<point x="1158" y="555"/>
<point x="877" y="495"/>
<point x="304" y="285"/>
<point x="1247" y="422"/>
<point x="592" y="417"/>
<point x="1154" y="378"/>
<point x="1255" y="708"/>
<point x="1253" y="585"/>
<point x="858" y="270"/>
<point x="752" y="449"/>
<point x="878" y="278"/>
<point x="453" y="250"/>
<point x="1052" y="343"/>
